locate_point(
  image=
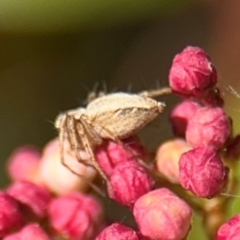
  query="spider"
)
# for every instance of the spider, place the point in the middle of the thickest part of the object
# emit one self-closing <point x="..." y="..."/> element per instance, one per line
<point x="113" y="116"/>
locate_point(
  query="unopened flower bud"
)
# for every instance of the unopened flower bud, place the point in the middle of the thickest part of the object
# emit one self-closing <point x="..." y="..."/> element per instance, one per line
<point x="208" y="127"/>
<point x="14" y="236"/>
<point x="34" y="231"/>
<point x="23" y="164"/>
<point x="117" y="231"/>
<point x="167" y="158"/>
<point x="128" y="182"/>
<point x="230" y="230"/>
<point x="202" y="172"/>
<point x="192" y="73"/>
<point x="110" y="153"/>
<point x="162" y="215"/>
<point x="76" y="216"/>
<point x="181" y="115"/>
<point x="11" y="217"/>
<point x="33" y="197"/>
<point x="31" y="231"/>
<point x="58" y="177"/>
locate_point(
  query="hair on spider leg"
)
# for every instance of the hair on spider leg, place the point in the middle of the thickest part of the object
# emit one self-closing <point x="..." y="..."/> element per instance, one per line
<point x="50" y="121"/>
<point x="94" y="94"/>
<point x="143" y="83"/>
<point x="104" y="86"/>
<point x="229" y="88"/>
<point x="230" y="195"/>
<point x="232" y="92"/>
<point x="157" y="84"/>
<point x="129" y="87"/>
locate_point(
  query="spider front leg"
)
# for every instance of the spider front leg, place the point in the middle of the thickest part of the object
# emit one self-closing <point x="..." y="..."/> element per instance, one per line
<point x="83" y="127"/>
<point x="156" y="93"/>
<point x="62" y="134"/>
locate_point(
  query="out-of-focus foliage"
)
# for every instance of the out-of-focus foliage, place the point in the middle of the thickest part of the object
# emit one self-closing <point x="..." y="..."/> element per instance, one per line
<point x="27" y="16"/>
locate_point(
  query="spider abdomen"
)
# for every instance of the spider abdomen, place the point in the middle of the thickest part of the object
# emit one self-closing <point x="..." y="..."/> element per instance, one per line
<point x="122" y="114"/>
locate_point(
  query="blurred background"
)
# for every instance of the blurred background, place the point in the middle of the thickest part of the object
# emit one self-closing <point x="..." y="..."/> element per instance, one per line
<point x="53" y="53"/>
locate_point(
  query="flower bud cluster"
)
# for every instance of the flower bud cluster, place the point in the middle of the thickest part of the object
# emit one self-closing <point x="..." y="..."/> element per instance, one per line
<point x="29" y="203"/>
<point x="159" y="214"/>
<point x="69" y="214"/>
<point x="201" y="121"/>
<point x="128" y="179"/>
<point x="46" y="200"/>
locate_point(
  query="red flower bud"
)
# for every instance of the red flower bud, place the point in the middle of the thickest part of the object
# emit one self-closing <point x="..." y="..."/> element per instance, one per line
<point x="110" y="154"/>
<point x="229" y="230"/>
<point x="202" y="172"/>
<point x="181" y="115"/>
<point x="76" y="216"/>
<point x="162" y="215"/>
<point x="128" y="182"/>
<point x="117" y="231"/>
<point x="31" y="231"/>
<point x="10" y="214"/>
<point x="35" y="198"/>
<point x="208" y="127"/>
<point x="192" y="73"/>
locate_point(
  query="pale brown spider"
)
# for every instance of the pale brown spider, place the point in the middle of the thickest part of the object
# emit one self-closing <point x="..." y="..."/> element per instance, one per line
<point x="114" y="116"/>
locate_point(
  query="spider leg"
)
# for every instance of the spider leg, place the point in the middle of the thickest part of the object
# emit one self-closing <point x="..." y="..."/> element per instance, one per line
<point x="88" y="147"/>
<point x="62" y="152"/>
<point x="78" y="144"/>
<point x="69" y="132"/>
<point x="156" y="93"/>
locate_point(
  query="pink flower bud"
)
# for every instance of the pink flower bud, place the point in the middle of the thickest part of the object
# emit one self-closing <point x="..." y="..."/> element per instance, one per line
<point x="10" y="215"/>
<point x="14" y="236"/>
<point x="110" y="154"/>
<point x="167" y="158"/>
<point x="162" y="215"/>
<point x="117" y="231"/>
<point x="57" y="177"/>
<point x="128" y="182"/>
<point x="76" y="216"/>
<point x="192" y="73"/>
<point x="202" y="172"/>
<point x="229" y="230"/>
<point x="33" y="197"/>
<point x="31" y="231"/>
<point x="23" y="164"/>
<point x="208" y="127"/>
<point x="180" y="116"/>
